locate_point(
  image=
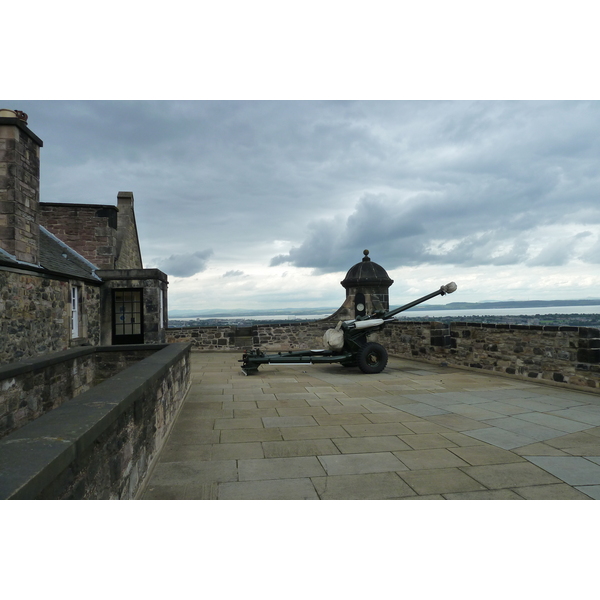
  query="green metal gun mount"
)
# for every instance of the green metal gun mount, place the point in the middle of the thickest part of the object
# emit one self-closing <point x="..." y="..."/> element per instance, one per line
<point x="347" y="344"/>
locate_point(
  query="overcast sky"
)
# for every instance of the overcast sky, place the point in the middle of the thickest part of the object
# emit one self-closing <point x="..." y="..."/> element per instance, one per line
<point x="250" y="204"/>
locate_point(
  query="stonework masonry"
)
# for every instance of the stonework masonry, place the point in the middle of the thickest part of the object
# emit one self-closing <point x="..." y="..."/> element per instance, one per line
<point x="19" y="190"/>
<point x="154" y="285"/>
<point x="128" y="254"/>
<point x="283" y="336"/>
<point x="91" y="230"/>
<point x="38" y="308"/>
<point x="102" y="443"/>
<point x="562" y="356"/>
<point x="30" y="389"/>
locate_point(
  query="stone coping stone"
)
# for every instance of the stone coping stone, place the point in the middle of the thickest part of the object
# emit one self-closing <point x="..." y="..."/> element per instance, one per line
<point x="39" y="363"/>
<point x="34" y="455"/>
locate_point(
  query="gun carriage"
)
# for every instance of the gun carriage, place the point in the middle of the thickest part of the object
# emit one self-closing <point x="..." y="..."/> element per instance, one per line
<point x="346" y="344"/>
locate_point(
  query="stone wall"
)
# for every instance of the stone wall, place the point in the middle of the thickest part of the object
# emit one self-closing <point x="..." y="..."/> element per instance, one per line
<point x="19" y="190"/>
<point x="89" y="229"/>
<point x="153" y="284"/>
<point x="203" y="338"/>
<point x="129" y="255"/>
<point x="35" y="315"/>
<point x="32" y="388"/>
<point x="561" y="355"/>
<point x="283" y="336"/>
<point x="103" y="443"/>
<point x="291" y="336"/>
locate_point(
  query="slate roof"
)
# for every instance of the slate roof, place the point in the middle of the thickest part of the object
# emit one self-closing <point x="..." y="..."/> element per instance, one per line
<point x="56" y="256"/>
<point x="9" y="258"/>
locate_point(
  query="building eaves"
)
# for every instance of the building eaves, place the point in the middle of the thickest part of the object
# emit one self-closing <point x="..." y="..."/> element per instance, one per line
<point x="6" y="257"/>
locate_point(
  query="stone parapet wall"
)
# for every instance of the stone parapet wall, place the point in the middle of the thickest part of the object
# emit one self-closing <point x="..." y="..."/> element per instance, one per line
<point x="32" y="388"/>
<point x="284" y="336"/>
<point x="204" y="338"/>
<point x="103" y="443"/>
<point x="291" y="336"/>
<point x="563" y="355"/>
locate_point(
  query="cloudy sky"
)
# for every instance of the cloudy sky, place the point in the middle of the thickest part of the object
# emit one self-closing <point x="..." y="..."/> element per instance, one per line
<point x="250" y="204"/>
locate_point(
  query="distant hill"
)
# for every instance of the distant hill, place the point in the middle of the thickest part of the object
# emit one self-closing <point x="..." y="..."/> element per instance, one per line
<point x="174" y="314"/>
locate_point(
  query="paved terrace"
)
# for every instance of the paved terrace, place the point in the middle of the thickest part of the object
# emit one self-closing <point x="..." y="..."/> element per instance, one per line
<point x="414" y="431"/>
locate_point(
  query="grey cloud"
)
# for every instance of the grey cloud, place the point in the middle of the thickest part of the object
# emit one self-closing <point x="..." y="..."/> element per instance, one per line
<point x="415" y="182"/>
<point x="185" y="265"/>
<point x="233" y="274"/>
<point x="560" y="251"/>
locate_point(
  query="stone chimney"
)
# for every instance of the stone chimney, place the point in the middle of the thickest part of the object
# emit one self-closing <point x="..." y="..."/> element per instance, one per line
<point x="19" y="186"/>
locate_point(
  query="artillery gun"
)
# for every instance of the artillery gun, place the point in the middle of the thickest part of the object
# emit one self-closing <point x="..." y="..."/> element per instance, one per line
<point x="346" y="344"/>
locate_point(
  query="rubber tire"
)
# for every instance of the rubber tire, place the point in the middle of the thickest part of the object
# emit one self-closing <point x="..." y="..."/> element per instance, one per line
<point x="372" y="358"/>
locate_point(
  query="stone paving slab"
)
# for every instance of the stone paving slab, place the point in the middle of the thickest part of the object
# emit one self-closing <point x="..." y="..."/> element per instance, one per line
<point x="383" y="443"/>
<point x="486" y="455"/>
<point x="185" y="472"/>
<point x="369" y="486"/>
<point x="427" y="440"/>
<point x="527" y="429"/>
<point x="356" y="464"/>
<point x="279" y="468"/>
<point x="593" y="491"/>
<point x="283" y="489"/>
<point x="434" y="458"/>
<point x="232" y="436"/>
<point x="500" y="437"/>
<point x="510" y="475"/>
<point x="556" y="491"/>
<point x="288" y="449"/>
<point x="423" y="410"/>
<point x="552" y="421"/>
<point x="484" y="495"/>
<point x="373" y="429"/>
<point x="456" y="422"/>
<point x="440" y="481"/>
<point x="397" y="416"/>
<point x="574" y="470"/>
<point x="414" y="431"/>
<point x="579" y="414"/>
<point x="305" y="421"/>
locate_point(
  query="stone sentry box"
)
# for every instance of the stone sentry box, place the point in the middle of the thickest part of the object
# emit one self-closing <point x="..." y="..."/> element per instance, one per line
<point x="367" y="290"/>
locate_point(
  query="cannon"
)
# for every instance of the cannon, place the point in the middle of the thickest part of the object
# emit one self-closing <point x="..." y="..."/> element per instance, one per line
<point x="346" y="344"/>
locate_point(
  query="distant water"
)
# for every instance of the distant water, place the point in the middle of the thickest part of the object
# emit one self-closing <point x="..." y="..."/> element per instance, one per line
<point x="425" y="314"/>
<point x="545" y="310"/>
<point x="256" y="318"/>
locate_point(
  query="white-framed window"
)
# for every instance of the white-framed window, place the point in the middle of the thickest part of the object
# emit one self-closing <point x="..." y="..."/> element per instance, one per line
<point x="74" y="312"/>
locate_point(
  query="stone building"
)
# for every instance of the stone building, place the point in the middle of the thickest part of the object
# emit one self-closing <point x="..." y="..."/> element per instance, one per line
<point x="70" y="274"/>
<point x="367" y="290"/>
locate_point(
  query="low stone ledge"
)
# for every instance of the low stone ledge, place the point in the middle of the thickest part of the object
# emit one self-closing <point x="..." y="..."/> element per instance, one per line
<point x="53" y="456"/>
<point x="31" y="365"/>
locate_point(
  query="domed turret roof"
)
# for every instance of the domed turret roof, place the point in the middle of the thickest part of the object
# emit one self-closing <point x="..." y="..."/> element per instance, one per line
<point x="366" y="272"/>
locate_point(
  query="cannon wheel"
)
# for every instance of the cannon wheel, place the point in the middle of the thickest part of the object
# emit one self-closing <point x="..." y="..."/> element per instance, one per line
<point x="372" y="358"/>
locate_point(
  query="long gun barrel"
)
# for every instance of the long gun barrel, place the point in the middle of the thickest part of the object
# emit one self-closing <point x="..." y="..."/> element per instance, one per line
<point x="445" y="289"/>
